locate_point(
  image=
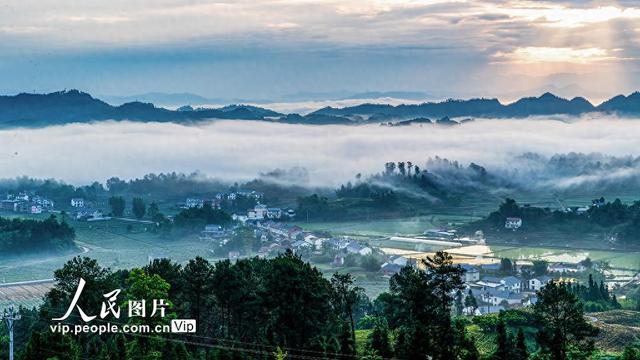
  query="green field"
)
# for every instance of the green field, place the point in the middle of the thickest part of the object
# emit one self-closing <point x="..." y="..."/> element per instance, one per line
<point x="386" y="227"/>
<point x="615" y="258"/>
<point x="112" y="244"/>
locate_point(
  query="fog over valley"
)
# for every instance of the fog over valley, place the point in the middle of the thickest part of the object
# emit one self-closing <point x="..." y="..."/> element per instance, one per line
<point x="331" y="154"/>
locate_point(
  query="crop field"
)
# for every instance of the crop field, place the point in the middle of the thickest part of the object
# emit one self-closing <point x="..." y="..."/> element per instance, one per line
<point x="26" y="295"/>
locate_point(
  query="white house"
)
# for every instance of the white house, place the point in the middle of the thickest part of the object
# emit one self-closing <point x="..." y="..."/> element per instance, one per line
<point x="512" y="283"/>
<point x="471" y="273"/>
<point x="77" y="202"/>
<point x="355" y="248"/>
<point x="261" y="211"/>
<point x="194" y="203"/>
<point x="274" y="213"/>
<point x="539" y="282"/>
<point x="497" y="297"/>
<point x="489" y="282"/>
<point x="513" y="223"/>
<point x="314" y="240"/>
<point x="36" y="209"/>
<point x="565" y="268"/>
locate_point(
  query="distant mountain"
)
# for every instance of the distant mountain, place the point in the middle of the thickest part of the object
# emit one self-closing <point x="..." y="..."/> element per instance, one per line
<point x="76" y="106"/>
<point x="160" y="98"/>
<point x="35" y="110"/>
<point x="622" y="104"/>
<point x="546" y="104"/>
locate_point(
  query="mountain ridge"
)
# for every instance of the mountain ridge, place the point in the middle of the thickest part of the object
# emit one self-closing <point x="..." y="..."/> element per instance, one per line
<point x="73" y="106"/>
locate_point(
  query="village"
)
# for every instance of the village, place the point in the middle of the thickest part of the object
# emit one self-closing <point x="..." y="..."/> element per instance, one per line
<point x="491" y="284"/>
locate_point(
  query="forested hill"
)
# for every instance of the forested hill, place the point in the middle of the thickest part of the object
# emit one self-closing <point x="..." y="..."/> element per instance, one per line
<point x="546" y="104"/>
<point x="37" y="110"/>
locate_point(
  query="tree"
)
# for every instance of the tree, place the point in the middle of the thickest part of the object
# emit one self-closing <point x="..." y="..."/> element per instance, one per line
<point x="150" y="288"/>
<point x="197" y="275"/>
<point x="470" y="300"/>
<point x="631" y="353"/>
<point x="379" y="339"/>
<point x="503" y="350"/>
<point x="539" y="267"/>
<point x="154" y="211"/>
<point x="117" y="204"/>
<point x="521" y="352"/>
<point x="51" y="345"/>
<point x="138" y="207"/>
<point x="458" y="303"/>
<point x="506" y="266"/>
<point x="445" y="279"/>
<point x="346" y="296"/>
<point x="419" y="307"/>
<point x="563" y="328"/>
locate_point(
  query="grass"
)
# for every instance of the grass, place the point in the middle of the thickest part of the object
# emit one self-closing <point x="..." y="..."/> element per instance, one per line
<point x="362" y="337"/>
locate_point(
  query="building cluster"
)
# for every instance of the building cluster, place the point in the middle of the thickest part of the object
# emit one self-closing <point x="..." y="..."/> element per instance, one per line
<point x="262" y="212"/>
<point x="26" y="203"/>
<point x="82" y="210"/>
<point x="495" y="292"/>
<point x="279" y="236"/>
<point x="218" y="198"/>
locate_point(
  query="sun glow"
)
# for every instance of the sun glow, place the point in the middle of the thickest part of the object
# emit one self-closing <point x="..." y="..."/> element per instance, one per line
<point x="561" y="16"/>
<point x="532" y="54"/>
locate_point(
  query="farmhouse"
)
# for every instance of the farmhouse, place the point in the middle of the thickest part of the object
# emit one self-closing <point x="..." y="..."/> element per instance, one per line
<point x="77" y="202"/>
<point x="539" y="282"/>
<point x="9" y="205"/>
<point x="563" y="268"/>
<point x="212" y="231"/>
<point x="511" y="283"/>
<point x="490" y="282"/>
<point x="355" y="248"/>
<point x="498" y="297"/>
<point x="471" y="273"/>
<point x="513" y="223"/>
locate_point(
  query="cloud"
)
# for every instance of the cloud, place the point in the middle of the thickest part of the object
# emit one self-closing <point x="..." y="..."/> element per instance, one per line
<point x="532" y="54"/>
<point x="563" y="16"/>
<point x="472" y="42"/>
<point x="331" y="155"/>
<point x="96" y="19"/>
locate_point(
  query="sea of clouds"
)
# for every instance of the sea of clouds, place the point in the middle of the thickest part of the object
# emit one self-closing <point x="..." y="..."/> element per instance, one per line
<point x="332" y="154"/>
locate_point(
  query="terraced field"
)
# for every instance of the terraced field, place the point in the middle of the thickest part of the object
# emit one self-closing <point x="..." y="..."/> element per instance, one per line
<point x="26" y="294"/>
<point x="618" y="328"/>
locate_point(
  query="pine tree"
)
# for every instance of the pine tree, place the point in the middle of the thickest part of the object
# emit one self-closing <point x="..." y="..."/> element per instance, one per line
<point x="458" y="303"/>
<point x="503" y="352"/>
<point x="521" y="352"/>
<point x="470" y="300"/>
<point x="564" y="332"/>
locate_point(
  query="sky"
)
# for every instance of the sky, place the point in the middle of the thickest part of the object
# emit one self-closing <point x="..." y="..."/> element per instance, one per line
<point x="279" y="49"/>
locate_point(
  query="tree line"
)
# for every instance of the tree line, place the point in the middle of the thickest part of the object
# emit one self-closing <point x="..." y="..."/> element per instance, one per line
<point x="285" y="308"/>
<point x="19" y="236"/>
